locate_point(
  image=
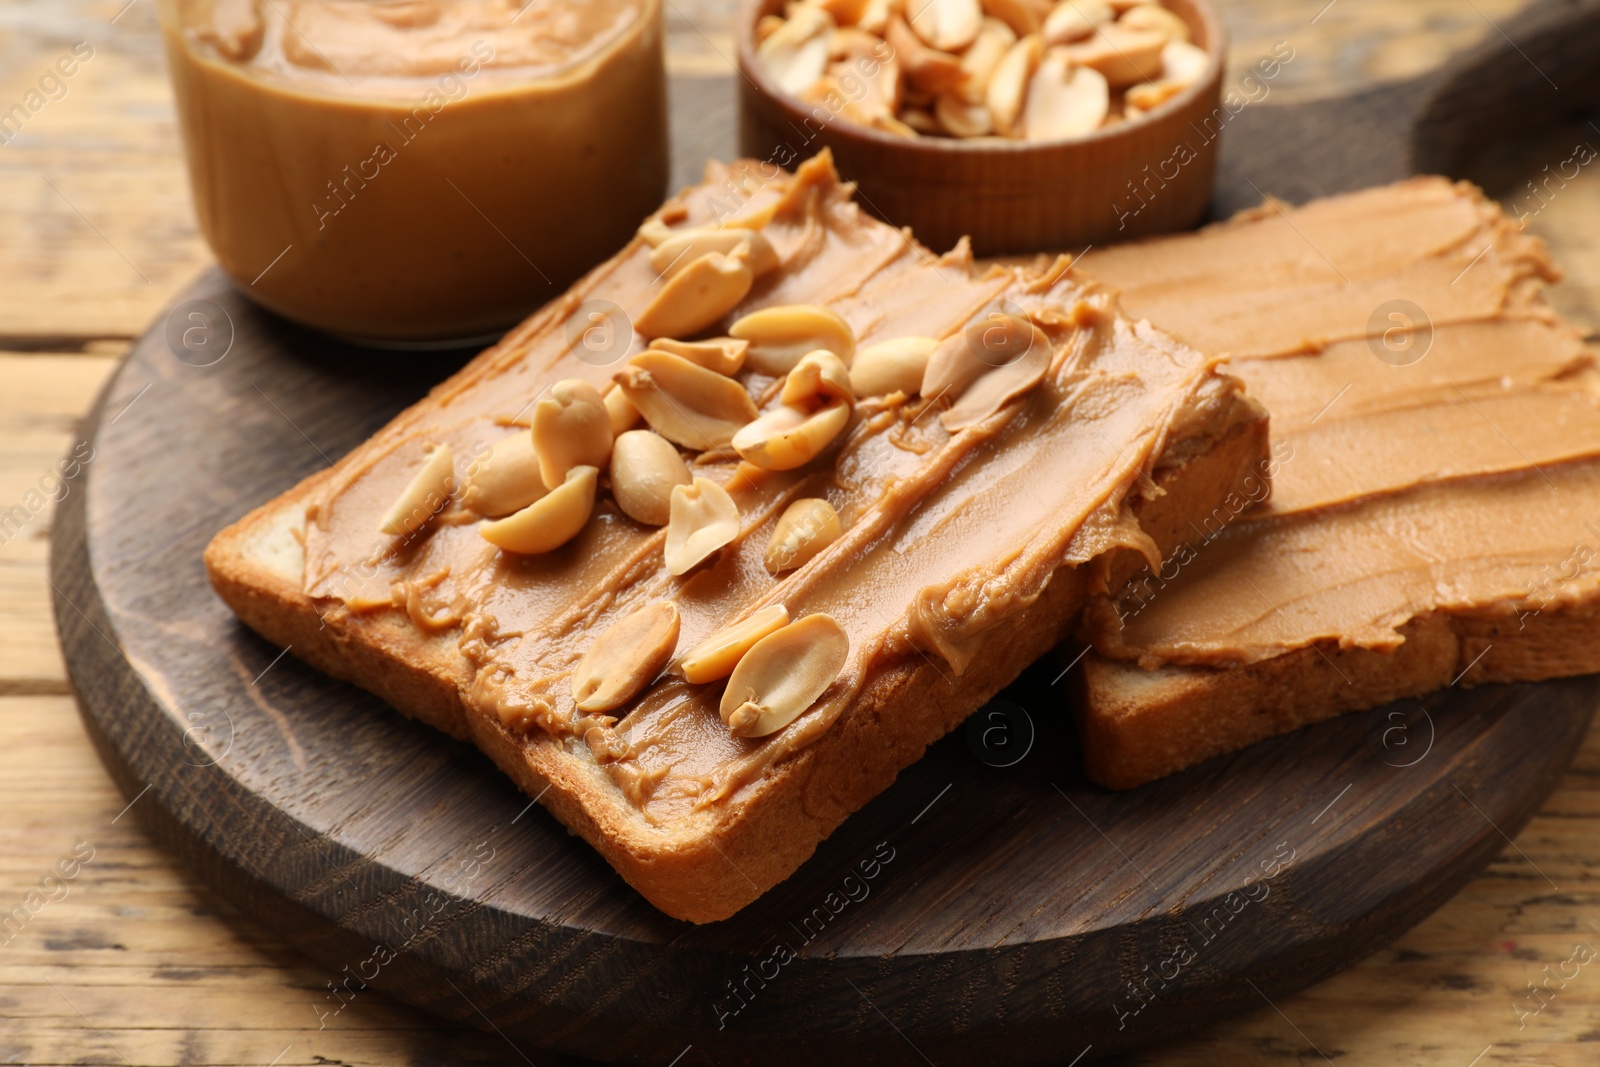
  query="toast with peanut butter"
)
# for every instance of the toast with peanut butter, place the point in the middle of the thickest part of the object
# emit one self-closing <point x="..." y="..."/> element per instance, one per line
<point x="1436" y="478"/>
<point x="706" y="551"/>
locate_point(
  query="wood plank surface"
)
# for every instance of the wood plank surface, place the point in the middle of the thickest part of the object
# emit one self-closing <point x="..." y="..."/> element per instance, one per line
<point x="135" y="962"/>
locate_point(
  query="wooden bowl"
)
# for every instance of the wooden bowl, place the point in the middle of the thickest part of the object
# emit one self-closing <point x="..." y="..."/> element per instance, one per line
<point x="1129" y="180"/>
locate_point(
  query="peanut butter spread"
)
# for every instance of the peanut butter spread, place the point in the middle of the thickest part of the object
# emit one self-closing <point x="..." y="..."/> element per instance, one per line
<point x="944" y="533"/>
<point x="362" y="48"/>
<point x="1436" y="429"/>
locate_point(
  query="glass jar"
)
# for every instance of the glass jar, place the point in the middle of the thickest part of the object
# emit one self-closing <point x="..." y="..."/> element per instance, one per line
<point x="416" y="171"/>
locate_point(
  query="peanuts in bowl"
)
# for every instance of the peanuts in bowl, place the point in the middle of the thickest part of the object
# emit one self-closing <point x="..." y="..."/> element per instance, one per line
<point x="981" y="69"/>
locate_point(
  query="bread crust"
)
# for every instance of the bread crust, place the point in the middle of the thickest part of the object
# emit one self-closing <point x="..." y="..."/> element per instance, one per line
<point x="1137" y="725"/>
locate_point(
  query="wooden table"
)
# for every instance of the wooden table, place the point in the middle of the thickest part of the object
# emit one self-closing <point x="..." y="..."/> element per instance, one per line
<point x="132" y="960"/>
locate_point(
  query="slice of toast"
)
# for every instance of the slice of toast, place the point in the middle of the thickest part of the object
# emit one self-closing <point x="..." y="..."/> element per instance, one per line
<point x="1436" y="442"/>
<point x="966" y="554"/>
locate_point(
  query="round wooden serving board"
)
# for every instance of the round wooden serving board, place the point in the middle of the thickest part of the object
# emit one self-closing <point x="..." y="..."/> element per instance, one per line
<point x="991" y="906"/>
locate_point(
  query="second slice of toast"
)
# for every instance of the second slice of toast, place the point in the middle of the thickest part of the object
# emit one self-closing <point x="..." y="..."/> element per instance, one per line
<point x="1435" y="518"/>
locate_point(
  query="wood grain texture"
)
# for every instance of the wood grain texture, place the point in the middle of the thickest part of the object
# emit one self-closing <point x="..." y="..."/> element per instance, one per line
<point x="171" y="974"/>
<point x="44" y="396"/>
<point x="1486" y="101"/>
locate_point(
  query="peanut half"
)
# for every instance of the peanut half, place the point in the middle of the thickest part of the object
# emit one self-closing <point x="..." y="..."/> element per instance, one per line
<point x="645" y="468"/>
<point x="717" y="655"/>
<point x="986" y="368"/>
<point x="1124" y="56"/>
<point x="891" y="366"/>
<point x="703" y="518"/>
<point x="766" y="26"/>
<point x="1145" y="97"/>
<point x="948" y="25"/>
<point x="874" y="17"/>
<point x="805" y="528"/>
<point x="818" y="375"/>
<point x="624" y="416"/>
<point x="796" y="53"/>
<point x="686" y="403"/>
<point x="1182" y="64"/>
<point x="979" y="60"/>
<point x="1156" y="19"/>
<point x="783" y="674"/>
<point x="653" y="231"/>
<point x="959" y="118"/>
<point x="779" y="336"/>
<point x="504" y="479"/>
<point x="927" y="70"/>
<point x="1002" y="335"/>
<point x="685" y="246"/>
<point x="549" y="522"/>
<point x="1023" y="16"/>
<point x="697" y="296"/>
<point x="788" y="437"/>
<point x="796" y="432"/>
<point x="725" y="355"/>
<point x="571" y="428"/>
<point x="998" y="387"/>
<point x="1073" y="20"/>
<point x="424" y="496"/>
<point x="864" y="73"/>
<point x="1008" y="85"/>
<point x="1063" y="100"/>
<point x="913" y="125"/>
<point x="626" y="657"/>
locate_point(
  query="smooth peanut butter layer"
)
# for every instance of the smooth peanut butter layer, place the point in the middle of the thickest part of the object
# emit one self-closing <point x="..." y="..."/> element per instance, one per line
<point x="945" y="535"/>
<point x="364" y="49"/>
<point x="1443" y="462"/>
<point x="1287" y="281"/>
<point x="1490" y="396"/>
<point x="1355" y="576"/>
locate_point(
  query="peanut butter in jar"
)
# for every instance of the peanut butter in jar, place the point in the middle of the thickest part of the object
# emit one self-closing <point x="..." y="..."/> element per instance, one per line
<point x="401" y="171"/>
